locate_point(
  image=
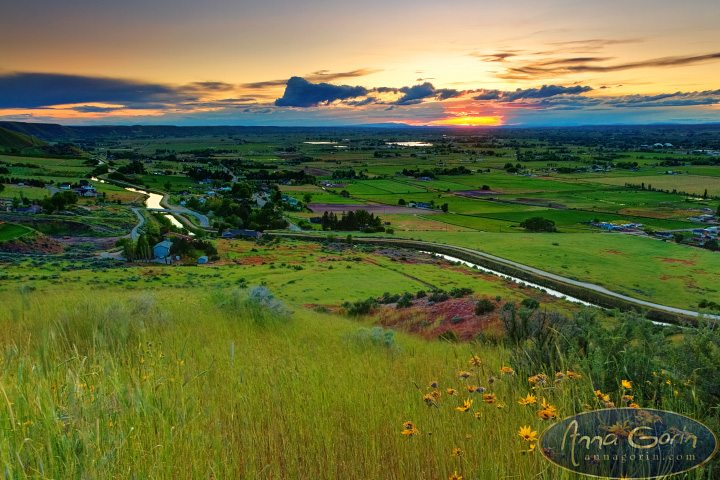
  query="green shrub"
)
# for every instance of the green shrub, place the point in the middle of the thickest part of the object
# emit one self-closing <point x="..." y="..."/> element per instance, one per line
<point x="484" y="306"/>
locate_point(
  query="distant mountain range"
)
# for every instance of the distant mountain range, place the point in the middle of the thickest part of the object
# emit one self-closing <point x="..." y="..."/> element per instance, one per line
<point x="58" y="133"/>
<point x="631" y="134"/>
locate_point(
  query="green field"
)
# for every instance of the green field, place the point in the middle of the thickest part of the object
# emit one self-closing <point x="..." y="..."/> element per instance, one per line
<point x="642" y="268"/>
<point x="31" y="193"/>
<point x="8" y="231"/>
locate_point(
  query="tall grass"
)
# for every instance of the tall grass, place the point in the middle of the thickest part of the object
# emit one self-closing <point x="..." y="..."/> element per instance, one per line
<point x="205" y="385"/>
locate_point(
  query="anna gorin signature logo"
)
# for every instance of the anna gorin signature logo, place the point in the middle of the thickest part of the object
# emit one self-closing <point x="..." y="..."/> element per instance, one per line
<point x="628" y="443"/>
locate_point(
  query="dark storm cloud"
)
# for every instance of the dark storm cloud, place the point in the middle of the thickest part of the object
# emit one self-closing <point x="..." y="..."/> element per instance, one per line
<point x="677" y="99"/>
<point x="417" y="93"/>
<point x="35" y="90"/>
<point x="362" y="103"/>
<point x="545" y="91"/>
<point x="489" y="95"/>
<point x="301" y="93"/>
<point x="32" y="90"/>
<point x="318" y="76"/>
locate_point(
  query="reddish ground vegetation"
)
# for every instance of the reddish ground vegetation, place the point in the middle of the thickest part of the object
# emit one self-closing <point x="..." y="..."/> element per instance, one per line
<point x="676" y="260"/>
<point x="430" y="321"/>
<point x="32" y="244"/>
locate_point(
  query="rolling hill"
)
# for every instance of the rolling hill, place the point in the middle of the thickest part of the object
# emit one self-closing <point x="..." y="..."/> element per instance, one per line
<point x="10" y="140"/>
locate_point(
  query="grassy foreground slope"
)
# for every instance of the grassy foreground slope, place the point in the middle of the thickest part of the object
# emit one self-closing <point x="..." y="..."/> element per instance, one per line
<point x="208" y="385"/>
<point x="228" y="384"/>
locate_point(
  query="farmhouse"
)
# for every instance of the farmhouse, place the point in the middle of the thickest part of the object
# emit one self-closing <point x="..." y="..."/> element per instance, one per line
<point x="31" y="209"/>
<point x="162" y="249"/>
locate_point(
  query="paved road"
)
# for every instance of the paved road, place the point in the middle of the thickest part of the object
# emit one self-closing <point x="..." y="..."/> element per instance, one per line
<point x="293" y="227"/>
<point x="542" y="273"/>
<point x="134" y="234"/>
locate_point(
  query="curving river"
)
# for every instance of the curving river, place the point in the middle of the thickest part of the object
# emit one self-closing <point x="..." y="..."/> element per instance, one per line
<point x="152" y="202"/>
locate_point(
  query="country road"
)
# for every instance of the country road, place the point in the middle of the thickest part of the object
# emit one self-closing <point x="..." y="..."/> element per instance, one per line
<point x="526" y="268"/>
<point x="134" y="234"/>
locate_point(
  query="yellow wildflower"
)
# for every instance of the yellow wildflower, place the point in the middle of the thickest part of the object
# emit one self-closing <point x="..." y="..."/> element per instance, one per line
<point x="627" y="398"/>
<point x="435" y="394"/>
<point x="475" y="361"/>
<point x="530" y="449"/>
<point x="626" y="384"/>
<point x="410" y="429"/>
<point x="507" y="371"/>
<point x="455" y="476"/>
<point x="572" y="375"/>
<point x="546" y="414"/>
<point x="451" y="391"/>
<point x="527" y="433"/>
<point x="466" y="405"/>
<point x="529" y="400"/>
<point x="464" y="374"/>
<point x="489" y="398"/>
<point x="634" y="405"/>
<point x="547" y="406"/>
<point x="456" y="453"/>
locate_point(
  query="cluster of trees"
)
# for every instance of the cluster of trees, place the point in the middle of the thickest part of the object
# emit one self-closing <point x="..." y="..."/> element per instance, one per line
<point x="510" y="168"/>
<point x="198" y="174"/>
<point x="191" y="248"/>
<point x="59" y="201"/>
<point x="132" y="168"/>
<point x="352" y="221"/>
<point x="349" y="173"/>
<point x="27" y="181"/>
<point x="142" y="249"/>
<point x="417" y="173"/>
<point x="538" y="224"/>
<point x="561" y="155"/>
<point x="230" y="215"/>
<point x="649" y="188"/>
<point x="409" y="172"/>
<point x="297" y="177"/>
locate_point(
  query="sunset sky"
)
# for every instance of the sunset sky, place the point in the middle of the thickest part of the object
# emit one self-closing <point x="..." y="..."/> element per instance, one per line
<point x="322" y="62"/>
